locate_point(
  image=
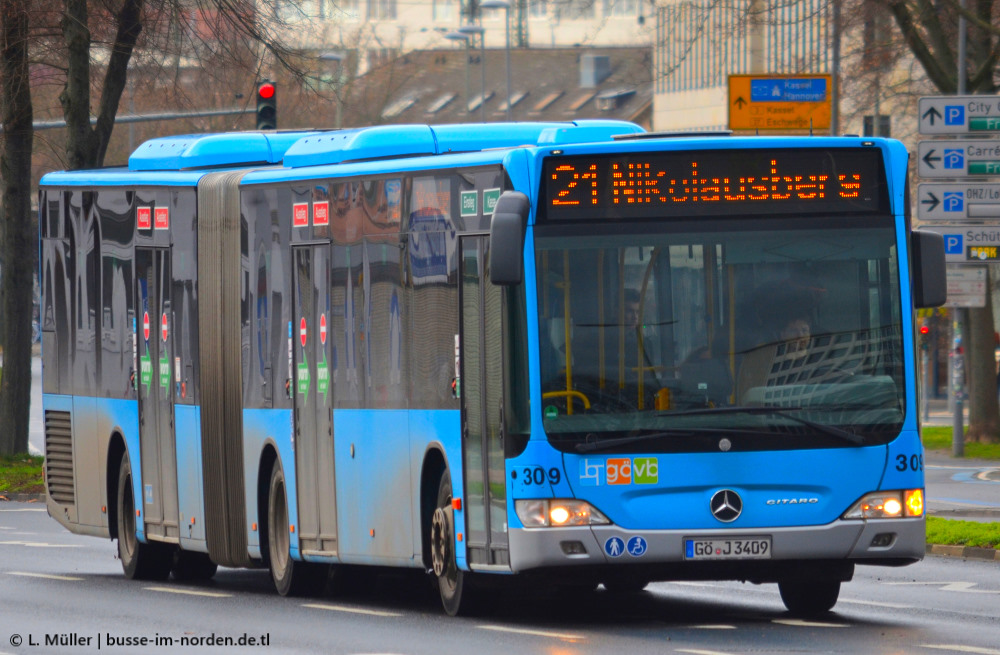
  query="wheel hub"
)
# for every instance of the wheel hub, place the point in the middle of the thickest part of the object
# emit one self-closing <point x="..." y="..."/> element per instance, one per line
<point x="440" y="541"/>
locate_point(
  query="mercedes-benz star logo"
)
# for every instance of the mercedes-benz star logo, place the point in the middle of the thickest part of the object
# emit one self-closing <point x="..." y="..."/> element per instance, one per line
<point x="726" y="505"/>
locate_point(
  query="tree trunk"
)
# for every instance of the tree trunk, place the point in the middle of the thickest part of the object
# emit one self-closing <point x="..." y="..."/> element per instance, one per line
<point x="984" y="410"/>
<point x="18" y="243"/>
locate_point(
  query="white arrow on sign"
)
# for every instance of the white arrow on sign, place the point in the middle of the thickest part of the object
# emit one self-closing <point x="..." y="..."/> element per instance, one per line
<point x="959" y="114"/>
<point x="955" y="201"/>
<point x="958" y="158"/>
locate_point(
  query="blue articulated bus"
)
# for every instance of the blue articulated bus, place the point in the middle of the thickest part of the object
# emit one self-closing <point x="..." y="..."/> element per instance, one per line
<point x="574" y="354"/>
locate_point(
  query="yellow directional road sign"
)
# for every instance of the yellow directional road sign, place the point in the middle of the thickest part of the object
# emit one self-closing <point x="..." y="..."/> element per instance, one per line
<point x="779" y="102"/>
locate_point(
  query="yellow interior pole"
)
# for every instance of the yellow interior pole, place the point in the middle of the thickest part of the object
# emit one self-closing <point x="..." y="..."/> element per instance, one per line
<point x="566" y="331"/>
<point x="600" y="319"/>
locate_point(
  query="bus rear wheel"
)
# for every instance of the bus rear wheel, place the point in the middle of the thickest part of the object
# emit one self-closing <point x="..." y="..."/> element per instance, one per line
<point x="456" y="596"/>
<point x="149" y="561"/>
<point x="809" y="597"/>
<point x="291" y="577"/>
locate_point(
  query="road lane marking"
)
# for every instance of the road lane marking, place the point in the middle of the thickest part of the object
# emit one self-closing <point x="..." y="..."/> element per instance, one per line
<point x="695" y="651"/>
<point x="966" y="587"/>
<point x="189" y="592"/>
<point x="894" y="606"/>
<point x="799" y="623"/>
<point x="569" y="636"/>
<point x="963" y="649"/>
<point x="38" y="544"/>
<point x="351" y="610"/>
<point x="47" y="576"/>
<point x="26" y="509"/>
<point x="713" y="627"/>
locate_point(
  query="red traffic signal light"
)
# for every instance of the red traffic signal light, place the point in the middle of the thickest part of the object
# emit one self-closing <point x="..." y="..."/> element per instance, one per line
<point x="267" y="106"/>
<point x="924" y="329"/>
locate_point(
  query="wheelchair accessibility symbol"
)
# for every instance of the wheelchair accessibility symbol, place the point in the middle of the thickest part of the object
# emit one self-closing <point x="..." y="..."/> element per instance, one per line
<point x="636" y="546"/>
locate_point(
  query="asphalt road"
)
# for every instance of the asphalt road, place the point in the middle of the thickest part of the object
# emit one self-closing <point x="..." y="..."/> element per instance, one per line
<point x="69" y="589"/>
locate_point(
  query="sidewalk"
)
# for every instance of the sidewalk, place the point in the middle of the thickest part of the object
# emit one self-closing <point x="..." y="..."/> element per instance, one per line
<point x="939" y="414"/>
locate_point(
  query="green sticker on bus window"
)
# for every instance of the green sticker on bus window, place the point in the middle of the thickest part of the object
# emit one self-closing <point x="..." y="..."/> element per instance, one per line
<point x="322" y="378"/>
<point x="164" y="365"/>
<point x="469" y="203"/>
<point x="490" y="197"/>
<point x="551" y="411"/>
<point x="302" y="380"/>
<point x="146" y="371"/>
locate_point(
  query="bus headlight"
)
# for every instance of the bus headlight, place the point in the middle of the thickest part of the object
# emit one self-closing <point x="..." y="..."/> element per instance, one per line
<point x="557" y="513"/>
<point x="908" y="503"/>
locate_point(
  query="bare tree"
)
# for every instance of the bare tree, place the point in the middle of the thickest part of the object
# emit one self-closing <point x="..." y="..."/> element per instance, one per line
<point x="91" y="46"/>
<point x="930" y="32"/>
<point x="18" y="253"/>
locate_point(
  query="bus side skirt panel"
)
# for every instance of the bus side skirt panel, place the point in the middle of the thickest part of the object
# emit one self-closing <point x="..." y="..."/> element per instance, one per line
<point x="263" y="427"/>
<point x="190" y="495"/>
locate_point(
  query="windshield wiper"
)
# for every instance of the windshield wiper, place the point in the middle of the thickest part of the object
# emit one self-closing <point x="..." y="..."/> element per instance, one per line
<point x="592" y="446"/>
<point x="784" y="412"/>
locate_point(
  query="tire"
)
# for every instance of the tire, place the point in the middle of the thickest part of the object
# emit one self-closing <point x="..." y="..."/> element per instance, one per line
<point x="193" y="567"/>
<point x="291" y="577"/>
<point x="457" y="597"/>
<point x="149" y="561"/>
<point x="809" y="597"/>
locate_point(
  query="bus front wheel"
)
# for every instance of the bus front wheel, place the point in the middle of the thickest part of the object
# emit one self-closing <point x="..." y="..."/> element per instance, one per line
<point x="149" y="561"/>
<point x="453" y="584"/>
<point x="291" y="578"/>
<point x="809" y="597"/>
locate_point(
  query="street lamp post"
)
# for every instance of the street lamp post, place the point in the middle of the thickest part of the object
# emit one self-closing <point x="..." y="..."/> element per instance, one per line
<point x="459" y="36"/>
<point x="477" y="29"/>
<point x="338" y="83"/>
<point x="505" y="5"/>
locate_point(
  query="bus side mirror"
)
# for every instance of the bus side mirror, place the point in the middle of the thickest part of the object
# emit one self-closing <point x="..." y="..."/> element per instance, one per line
<point x="510" y="216"/>
<point x="930" y="285"/>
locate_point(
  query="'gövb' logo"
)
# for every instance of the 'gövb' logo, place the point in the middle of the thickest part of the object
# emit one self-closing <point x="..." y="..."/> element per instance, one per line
<point x="619" y="470"/>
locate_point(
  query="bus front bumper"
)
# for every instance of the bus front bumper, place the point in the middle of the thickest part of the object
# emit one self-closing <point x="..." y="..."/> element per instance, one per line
<point x="891" y="542"/>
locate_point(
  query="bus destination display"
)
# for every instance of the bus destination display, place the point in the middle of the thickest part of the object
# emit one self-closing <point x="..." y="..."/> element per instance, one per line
<point x="715" y="182"/>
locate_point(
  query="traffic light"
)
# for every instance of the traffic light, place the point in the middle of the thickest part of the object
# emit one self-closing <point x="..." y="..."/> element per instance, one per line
<point x="925" y="336"/>
<point x="267" y="106"/>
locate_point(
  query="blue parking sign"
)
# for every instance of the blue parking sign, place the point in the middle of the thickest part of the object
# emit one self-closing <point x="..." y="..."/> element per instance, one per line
<point x="953" y="244"/>
<point x="954" y="115"/>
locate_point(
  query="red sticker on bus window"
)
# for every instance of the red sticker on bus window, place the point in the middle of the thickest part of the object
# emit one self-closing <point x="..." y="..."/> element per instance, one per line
<point x="300" y="214"/>
<point x="322" y="329"/>
<point x="163" y="326"/>
<point x="302" y="331"/>
<point x="143" y="219"/>
<point x="145" y="326"/>
<point x="321" y="213"/>
<point x="162" y="218"/>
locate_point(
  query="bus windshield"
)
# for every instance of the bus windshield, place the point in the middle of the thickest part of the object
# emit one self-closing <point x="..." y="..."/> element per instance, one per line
<point x="762" y="337"/>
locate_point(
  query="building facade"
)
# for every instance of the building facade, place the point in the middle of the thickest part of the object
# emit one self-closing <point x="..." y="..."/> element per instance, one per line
<point x="699" y="43"/>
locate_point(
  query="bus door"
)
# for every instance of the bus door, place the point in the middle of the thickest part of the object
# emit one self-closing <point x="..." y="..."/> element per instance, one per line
<point x="156" y="392"/>
<point x="481" y="341"/>
<point x="313" y="392"/>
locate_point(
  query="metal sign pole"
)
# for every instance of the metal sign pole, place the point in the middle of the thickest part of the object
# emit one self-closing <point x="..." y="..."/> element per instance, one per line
<point x="958" y="384"/>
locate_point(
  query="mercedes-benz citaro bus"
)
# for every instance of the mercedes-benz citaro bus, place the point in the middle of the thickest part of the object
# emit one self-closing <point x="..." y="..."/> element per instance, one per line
<point x="567" y="353"/>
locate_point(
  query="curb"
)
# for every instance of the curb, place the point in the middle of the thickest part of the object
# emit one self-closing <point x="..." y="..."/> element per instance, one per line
<point x="23" y="498"/>
<point x="965" y="552"/>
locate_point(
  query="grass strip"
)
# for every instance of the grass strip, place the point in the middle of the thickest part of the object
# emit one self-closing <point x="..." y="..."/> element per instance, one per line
<point x="953" y="532"/>
<point x="21" y="474"/>
<point x="939" y="438"/>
